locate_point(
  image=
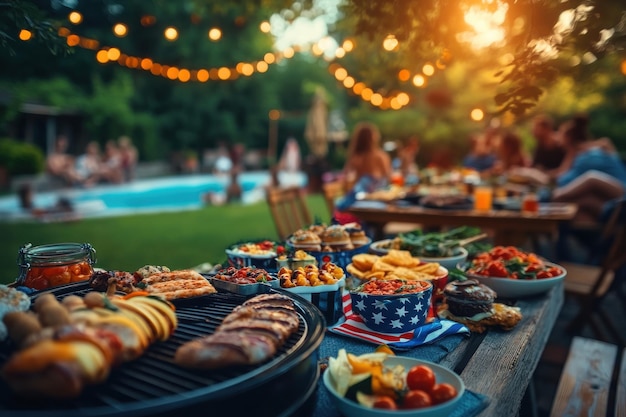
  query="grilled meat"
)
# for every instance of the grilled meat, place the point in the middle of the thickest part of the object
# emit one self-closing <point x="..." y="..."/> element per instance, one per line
<point x="252" y="333"/>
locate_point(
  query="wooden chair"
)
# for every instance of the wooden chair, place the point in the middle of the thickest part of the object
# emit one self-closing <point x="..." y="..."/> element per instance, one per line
<point x="289" y="209"/>
<point x="332" y="191"/>
<point x="591" y="284"/>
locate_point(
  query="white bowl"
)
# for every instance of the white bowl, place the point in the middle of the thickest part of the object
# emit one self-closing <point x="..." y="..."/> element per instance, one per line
<point x="449" y="262"/>
<point x="516" y="288"/>
<point x="351" y="408"/>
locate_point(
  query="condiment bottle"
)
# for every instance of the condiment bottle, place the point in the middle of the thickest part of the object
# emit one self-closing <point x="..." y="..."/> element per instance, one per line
<point x="55" y="264"/>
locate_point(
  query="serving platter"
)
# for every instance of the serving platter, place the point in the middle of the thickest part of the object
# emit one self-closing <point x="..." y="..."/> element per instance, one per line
<point x="518" y="288"/>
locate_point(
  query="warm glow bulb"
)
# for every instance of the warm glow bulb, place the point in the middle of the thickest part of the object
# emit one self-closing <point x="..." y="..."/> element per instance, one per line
<point x="402" y="99"/>
<point x="102" y="56"/>
<point x="223" y="73"/>
<point x="341" y="74"/>
<point x="262" y="66"/>
<point x="340" y="53"/>
<point x="404" y="75"/>
<point x="477" y="115"/>
<point x="265" y="26"/>
<point x="25" y="34"/>
<point x="274" y="114"/>
<point x="348" y="45"/>
<point x="184" y="75"/>
<point x="376" y="99"/>
<point x="247" y="69"/>
<point x="289" y="52"/>
<point x="390" y="43"/>
<point x="623" y="66"/>
<point x="203" y="75"/>
<point x="349" y="82"/>
<point x="215" y="34"/>
<point x="269" y="57"/>
<point x="113" y="54"/>
<point x="170" y="33"/>
<point x="419" y="80"/>
<point x="428" y="69"/>
<point x="146" y="64"/>
<point x="73" y="40"/>
<point x="367" y="93"/>
<point x="120" y="30"/>
<point x="75" y="17"/>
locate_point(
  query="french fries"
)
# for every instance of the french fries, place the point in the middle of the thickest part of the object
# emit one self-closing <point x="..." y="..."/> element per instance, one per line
<point x="396" y="264"/>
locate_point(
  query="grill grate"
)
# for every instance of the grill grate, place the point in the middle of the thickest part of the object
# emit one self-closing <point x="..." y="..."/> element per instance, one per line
<point x="154" y="381"/>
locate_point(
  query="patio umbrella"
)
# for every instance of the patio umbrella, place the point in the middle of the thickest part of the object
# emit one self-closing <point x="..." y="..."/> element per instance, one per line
<point x="316" y="129"/>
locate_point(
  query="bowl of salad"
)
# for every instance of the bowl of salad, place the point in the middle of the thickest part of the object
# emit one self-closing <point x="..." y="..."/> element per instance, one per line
<point x="446" y="248"/>
<point x="513" y="273"/>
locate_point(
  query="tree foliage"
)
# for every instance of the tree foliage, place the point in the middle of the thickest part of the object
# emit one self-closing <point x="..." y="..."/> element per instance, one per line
<point x="541" y="48"/>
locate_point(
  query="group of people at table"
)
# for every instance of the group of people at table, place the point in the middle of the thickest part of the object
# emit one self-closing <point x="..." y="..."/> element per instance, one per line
<point x="576" y="167"/>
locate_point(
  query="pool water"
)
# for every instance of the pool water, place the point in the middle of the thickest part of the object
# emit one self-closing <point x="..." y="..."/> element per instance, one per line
<point x="151" y="195"/>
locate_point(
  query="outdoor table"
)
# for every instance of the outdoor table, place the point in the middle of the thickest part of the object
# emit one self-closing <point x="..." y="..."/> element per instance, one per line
<point x="496" y="366"/>
<point x="510" y="227"/>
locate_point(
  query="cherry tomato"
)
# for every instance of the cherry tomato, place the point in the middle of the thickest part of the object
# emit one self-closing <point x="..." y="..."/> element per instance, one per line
<point x="497" y="269"/>
<point x="442" y="392"/>
<point x="417" y="399"/>
<point x="38" y="282"/>
<point x="385" y="401"/>
<point x="420" y="377"/>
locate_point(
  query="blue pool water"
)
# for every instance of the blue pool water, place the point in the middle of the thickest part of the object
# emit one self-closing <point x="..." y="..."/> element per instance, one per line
<point x="150" y="195"/>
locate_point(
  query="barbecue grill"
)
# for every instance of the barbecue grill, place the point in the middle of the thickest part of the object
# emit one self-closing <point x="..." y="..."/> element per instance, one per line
<point x="153" y="385"/>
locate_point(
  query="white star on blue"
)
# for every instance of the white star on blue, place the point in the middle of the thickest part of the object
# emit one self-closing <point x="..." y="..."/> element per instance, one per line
<point x="378" y="317"/>
<point x="419" y="307"/>
<point x="360" y="305"/>
<point x="396" y="324"/>
<point x="401" y="312"/>
<point x="380" y="305"/>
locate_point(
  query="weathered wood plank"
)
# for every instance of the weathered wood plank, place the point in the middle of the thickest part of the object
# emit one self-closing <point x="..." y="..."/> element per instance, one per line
<point x="620" y="395"/>
<point x="585" y="381"/>
<point x="503" y="365"/>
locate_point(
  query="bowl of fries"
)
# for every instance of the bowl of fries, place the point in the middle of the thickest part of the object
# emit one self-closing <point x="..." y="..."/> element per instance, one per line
<point x="396" y="264"/>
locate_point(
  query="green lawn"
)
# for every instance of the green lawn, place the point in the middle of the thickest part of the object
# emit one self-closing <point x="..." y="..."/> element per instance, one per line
<point x="177" y="240"/>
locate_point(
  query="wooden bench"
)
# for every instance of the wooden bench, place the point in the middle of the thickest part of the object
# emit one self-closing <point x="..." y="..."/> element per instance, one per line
<point x="593" y="381"/>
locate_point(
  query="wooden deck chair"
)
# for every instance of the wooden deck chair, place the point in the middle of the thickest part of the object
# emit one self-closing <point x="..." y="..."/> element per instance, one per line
<point x="289" y="209"/>
<point x="332" y="191"/>
<point x="591" y="284"/>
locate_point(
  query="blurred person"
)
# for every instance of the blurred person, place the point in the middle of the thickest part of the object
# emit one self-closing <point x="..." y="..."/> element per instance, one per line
<point x="234" y="192"/>
<point x="129" y="157"/>
<point x="60" y="164"/>
<point x="510" y="154"/>
<point x="89" y="165"/>
<point x="26" y="196"/>
<point x="112" y="170"/>
<point x="367" y="167"/>
<point x="290" y="159"/>
<point x="407" y="157"/>
<point x="223" y="163"/>
<point x="549" y="152"/>
<point x="482" y="154"/>
<point x="592" y="173"/>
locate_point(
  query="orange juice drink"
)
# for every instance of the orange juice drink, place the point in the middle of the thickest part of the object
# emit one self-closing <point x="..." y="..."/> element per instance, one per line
<point x="483" y="198"/>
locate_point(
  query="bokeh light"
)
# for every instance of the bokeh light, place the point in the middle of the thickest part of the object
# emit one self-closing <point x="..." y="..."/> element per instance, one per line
<point x="120" y="30"/>
<point x="25" y="35"/>
<point x="215" y="34"/>
<point x="477" y="115"/>
<point x="170" y="33"/>
<point x="75" y="17"/>
<point x="265" y="27"/>
<point x="390" y="43"/>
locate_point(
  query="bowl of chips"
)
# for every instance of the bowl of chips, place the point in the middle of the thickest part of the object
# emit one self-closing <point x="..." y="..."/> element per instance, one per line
<point x="396" y="264"/>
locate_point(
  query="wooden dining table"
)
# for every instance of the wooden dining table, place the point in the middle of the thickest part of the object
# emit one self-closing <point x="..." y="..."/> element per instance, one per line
<point x="499" y="364"/>
<point x="509" y="227"/>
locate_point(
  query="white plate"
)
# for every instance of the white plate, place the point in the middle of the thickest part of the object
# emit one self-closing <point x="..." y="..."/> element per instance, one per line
<point x="516" y="288"/>
<point x="351" y="408"/>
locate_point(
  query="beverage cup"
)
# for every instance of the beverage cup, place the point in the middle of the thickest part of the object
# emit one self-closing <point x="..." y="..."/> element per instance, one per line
<point x="483" y="198"/>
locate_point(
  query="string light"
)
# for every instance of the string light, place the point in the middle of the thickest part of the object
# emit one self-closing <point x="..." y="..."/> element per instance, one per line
<point x="170" y="33"/>
<point x="120" y="30"/>
<point x="25" y="35"/>
<point x="75" y="17"/>
<point x="215" y="34"/>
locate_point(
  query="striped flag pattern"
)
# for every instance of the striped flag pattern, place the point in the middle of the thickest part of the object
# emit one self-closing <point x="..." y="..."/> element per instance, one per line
<point x="353" y="326"/>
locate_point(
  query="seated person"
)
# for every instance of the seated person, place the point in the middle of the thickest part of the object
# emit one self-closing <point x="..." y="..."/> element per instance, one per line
<point x="59" y="164"/>
<point x="26" y="196"/>
<point x="549" y="151"/>
<point x="510" y="154"/>
<point x="368" y="166"/>
<point x="595" y="174"/>
<point x="89" y="165"/>
<point x="482" y="155"/>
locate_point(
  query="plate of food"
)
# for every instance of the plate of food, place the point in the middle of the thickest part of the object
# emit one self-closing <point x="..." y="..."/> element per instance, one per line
<point x="256" y="254"/>
<point x="430" y="390"/>
<point x="513" y="273"/>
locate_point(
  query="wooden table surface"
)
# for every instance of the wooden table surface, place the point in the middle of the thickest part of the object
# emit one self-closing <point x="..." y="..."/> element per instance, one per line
<point x="501" y="364"/>
<point x="510" y="227"/>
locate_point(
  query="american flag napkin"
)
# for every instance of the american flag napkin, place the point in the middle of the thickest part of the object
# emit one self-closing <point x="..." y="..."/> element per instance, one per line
<point x="353" y="326"/>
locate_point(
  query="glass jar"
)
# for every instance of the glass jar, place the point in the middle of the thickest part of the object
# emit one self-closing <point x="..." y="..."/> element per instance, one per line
<point x="55" y="264"/>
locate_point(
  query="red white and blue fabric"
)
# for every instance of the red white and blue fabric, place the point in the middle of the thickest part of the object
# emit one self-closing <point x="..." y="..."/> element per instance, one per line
<point x="352" y="326"/>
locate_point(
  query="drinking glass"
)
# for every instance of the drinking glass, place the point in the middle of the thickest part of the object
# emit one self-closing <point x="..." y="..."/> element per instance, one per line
<point x="483" y="198"/>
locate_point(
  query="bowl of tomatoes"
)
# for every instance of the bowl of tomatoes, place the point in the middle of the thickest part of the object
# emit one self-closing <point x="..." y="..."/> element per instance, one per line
<point x="379" y="385"/>
<point x="513" y="273"/>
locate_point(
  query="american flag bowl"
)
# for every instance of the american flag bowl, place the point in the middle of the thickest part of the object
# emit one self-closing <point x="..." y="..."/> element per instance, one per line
<point x="396" y="311"/>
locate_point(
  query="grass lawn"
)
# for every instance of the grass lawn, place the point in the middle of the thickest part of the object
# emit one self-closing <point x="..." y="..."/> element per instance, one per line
<point x="177" y="240"/>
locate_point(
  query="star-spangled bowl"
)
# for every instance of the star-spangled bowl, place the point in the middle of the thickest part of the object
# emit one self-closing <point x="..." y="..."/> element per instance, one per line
<point x="392" y="313"/>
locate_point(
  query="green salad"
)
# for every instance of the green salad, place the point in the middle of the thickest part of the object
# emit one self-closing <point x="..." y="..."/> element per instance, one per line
<point x="435" y="244"/>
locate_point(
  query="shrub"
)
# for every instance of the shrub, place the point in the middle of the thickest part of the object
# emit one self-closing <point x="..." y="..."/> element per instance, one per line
<point x="21" y="158"/>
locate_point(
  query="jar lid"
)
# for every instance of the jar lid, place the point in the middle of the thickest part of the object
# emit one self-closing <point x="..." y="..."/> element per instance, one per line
<point x="55" y="253"/>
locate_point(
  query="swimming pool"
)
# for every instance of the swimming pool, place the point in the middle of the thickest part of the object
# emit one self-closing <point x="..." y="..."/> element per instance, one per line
<point x="150" y="195"/>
